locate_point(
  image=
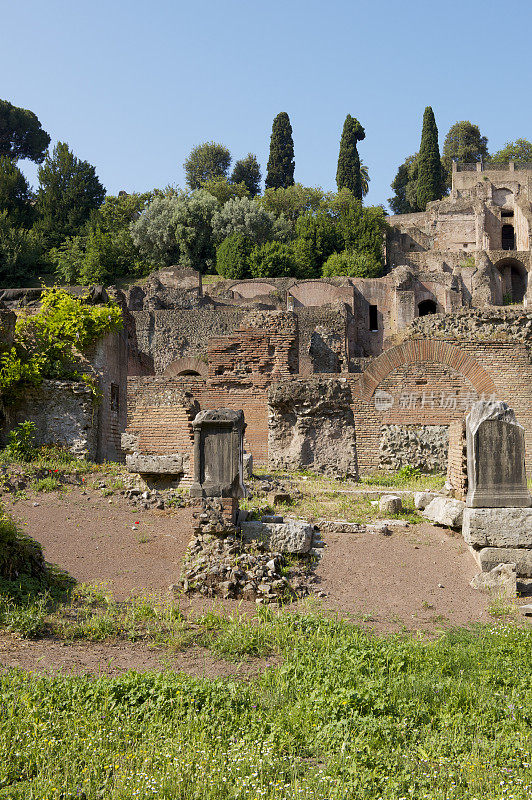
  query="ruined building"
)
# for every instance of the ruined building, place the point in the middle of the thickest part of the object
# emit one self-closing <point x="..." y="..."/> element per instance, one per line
<point x="344" y="374"/>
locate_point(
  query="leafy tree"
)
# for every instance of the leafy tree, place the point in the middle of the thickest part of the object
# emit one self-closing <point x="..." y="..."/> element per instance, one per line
<point x="294" y="200"/>
<point x="69" y="190"/>
<point x="463" y="143"/>
<point x="364" y="179"/>
<point x="193" y="230"/>
<point x="520" y="151"/>
<point x="247" y="171"/>
<point x="405" y="187"/>
<point x="21" y="134"/>
<point x="205" y="162"/>
<point x="223" y="190"/>
<point x="272" y="260"/>
<point x="20" y="251"/>
<point x="232" y="256"/>
<point x="361" y="229"/>
<point x="430" y="179"/>
<point x="281" y="164"/>
<point x="317" y="238"/>
<point x="348" y="171"/>
<point x="154" y="232"/>
<point x="15" y="195"/>
<point x="353" y="263"/>
<point x="245" y="216"/>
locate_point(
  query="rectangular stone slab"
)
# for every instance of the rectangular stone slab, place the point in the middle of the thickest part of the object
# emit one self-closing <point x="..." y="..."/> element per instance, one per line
<point x="155" y="465"/>
<point x="498" y="527"/>
<point x="489" y="557"/>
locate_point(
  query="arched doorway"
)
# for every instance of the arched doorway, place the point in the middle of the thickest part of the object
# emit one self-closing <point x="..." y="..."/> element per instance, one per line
<point x="514" y="280"/>
<point x="183" y="367"/>
<point x="426" y="307"/>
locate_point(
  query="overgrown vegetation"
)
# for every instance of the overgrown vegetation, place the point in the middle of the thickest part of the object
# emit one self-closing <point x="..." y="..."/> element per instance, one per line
<point x="345" y="714"/>
<point x="51" y="342"/>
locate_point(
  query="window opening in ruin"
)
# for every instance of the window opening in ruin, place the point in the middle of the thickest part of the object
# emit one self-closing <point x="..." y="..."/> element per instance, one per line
<point x="373" y="318"/>
<point x="426" y="307"/>
<point x="507" y="237"/>
<point x="189" y="372"/>
<point x="506" y="213"/>
<point x="514" y="280"/>
<point x="115" y="398"/>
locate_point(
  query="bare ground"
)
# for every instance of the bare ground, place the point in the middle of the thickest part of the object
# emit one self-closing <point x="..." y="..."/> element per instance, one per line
<point x="417" y="578"/>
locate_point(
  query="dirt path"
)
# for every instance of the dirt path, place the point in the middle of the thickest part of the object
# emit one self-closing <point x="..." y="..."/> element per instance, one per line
<point x="416" y="578"/>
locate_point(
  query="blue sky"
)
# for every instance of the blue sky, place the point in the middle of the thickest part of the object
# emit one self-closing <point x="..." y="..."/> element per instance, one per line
<point x="133" y="86"/>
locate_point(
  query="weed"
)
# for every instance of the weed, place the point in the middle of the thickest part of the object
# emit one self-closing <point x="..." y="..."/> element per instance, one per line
<point x="48" y="484"/>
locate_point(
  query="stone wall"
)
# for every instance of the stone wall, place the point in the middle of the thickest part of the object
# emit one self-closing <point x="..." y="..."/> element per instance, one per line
<point x="63" y="413"/>
<point x="422" y="446"/>
<point x="310" y="424"/>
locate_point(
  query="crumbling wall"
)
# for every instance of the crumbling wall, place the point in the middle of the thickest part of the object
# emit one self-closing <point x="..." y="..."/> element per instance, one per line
<point x="421" y="446"/>
<point x="311" y="424"/>
<point x="63" y="413"/>
<point x="457" y="459"/>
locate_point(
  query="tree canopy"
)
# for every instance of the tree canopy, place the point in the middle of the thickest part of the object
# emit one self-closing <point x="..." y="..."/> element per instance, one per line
<point x="429" y="180"/>
<point x="463" y="143"/>
<point x="69" y="190"/>
<point x="348" y="170"/>
<point x="205" y="162"/>
<point x="21" y="134"/>
<point x="281" y="164"/>
<point x="247" y="171"/>
<point x="520" y="151"/>
<point x="15" y="195"/>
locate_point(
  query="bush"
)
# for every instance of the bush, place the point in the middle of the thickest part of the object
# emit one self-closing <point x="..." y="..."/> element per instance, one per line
<point x="273" y="260"/>
<point x="354" y="263"/>
<point x="232" y="256"/>
<point x="21" y="442"/>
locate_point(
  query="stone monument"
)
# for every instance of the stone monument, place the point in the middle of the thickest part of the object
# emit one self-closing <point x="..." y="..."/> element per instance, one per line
<point x="497" y="520"/>
<point x="218" y="457"/>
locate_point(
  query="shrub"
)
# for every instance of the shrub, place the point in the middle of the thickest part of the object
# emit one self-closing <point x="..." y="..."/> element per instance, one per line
<point x="21" y="442"/>
<point x="232" y="256"/>
<point x="273" y="260"/>
<point x="354" y="263"/>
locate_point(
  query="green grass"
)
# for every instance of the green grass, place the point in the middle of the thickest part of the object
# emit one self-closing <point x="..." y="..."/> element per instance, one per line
<point x="344" y="714"/>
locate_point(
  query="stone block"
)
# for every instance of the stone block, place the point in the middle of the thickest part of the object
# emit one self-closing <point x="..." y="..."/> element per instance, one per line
<point x="501" y="580"/>
<point x="497" y="527"/>
<point x="390" y="504"/>
<point x="155" y="465"/>
<point x="288" y="537"/>
<point x="218" y="453"/>
<point x="445" y="511"/>
<point x="490" y="557"/>
<point x="495" y="458"/>
<point x="422" y="499"/>
<point x="247" y="464"/>
<point x="130" y="442"/>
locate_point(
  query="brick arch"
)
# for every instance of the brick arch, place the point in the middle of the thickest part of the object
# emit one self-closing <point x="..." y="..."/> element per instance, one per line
<point x="186" y="366"/>
<point x="419" y="350"/>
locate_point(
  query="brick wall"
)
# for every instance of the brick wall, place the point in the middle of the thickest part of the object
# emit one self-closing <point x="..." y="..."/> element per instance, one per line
<point x="457" y="459"/>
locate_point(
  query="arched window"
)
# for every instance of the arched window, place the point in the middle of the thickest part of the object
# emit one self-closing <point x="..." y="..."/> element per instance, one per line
<point x="426" y="307"/>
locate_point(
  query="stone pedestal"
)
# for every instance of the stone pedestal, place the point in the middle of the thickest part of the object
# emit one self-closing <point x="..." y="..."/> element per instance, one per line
<point x="495" y="458"/>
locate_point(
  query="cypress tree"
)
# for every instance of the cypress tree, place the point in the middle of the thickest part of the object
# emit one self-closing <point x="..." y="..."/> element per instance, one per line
<point x="348" y="172"/>
<point x="429" y="181"/>
<point x="281" y="161"/>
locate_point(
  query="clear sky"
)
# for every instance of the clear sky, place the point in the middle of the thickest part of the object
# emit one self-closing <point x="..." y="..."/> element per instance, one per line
<point x="132" y="86"/>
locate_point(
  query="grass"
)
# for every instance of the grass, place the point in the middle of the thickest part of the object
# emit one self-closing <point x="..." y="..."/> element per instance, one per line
<point x="344" y="714"/>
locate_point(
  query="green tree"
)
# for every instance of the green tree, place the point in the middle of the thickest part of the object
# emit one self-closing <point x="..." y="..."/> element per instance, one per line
<point x="364" y="179"/>
<point x="348" y="170"/>
<point x="247" y="171"/>
<point x="317" y="238"/>
<point x="232" y="257"/>
<point x="292" y="201"/>
<point x="205" y="162"/>
<point x="361" y="229"/>
<point x="245" y="216"/>
<point x="15" y="195"/>
<point x="430" y="180"/>
<point x="520" y="151"/>
<point x="353" y="263"/>
<point x="223" y="190"/>
<point x="193" y="230"/>
<point x="404" y="185"/>
<point x="281" y="164"/>
<point x="154" y="232"/>
<point x="69" y="190"/>
<point x="465" y="144"/>
<point x="272" y="260"/>
<point x="21" y="134"/>
<point x="20" y="252"/>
